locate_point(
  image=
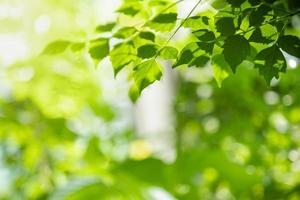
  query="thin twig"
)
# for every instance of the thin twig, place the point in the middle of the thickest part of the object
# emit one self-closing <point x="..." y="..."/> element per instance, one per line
<point x="182" y="23"/>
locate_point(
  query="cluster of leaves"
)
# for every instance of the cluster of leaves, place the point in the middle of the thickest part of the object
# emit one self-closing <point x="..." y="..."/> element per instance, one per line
<point x="230" y="33"/>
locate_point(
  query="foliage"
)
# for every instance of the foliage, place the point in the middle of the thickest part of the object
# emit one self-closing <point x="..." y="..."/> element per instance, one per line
<point x="241" y="30"/>
<point x="66" y="133"/>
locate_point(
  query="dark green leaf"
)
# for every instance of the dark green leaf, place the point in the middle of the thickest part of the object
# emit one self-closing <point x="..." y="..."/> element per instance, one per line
<point x="290" y="44"/>
<point x="187" y="54"/>
<point x="147" y="36"/>
<point x="257" y="17"/>
<point x="147" y="51"/>
<point x="258" y="38"/>
<point x="270" y="62"/>
<point x="165" y="18"/>
<point x="225" y="26"/>
<point x="205" y="35"/>
<point x="236" y="49"/>
<point x="163" y="22"/>
<point x="199" y="61"/>
<point x="254" y="2"/>
<point x="131" y="11"/>
<point x="236" y="3"/>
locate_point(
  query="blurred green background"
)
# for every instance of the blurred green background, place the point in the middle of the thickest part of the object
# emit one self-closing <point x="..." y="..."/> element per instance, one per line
<point x="69" y="131"/>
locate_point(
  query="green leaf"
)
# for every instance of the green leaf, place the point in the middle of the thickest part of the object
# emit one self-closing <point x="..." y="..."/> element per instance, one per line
<point x="290" y="44"/>
<point x="187" y="54"/>
<point x="121" y="55"/>
<point x="125" y="32"/>
<point x="194" y="22"/>
<point x="270" y="62"/>
<point x="146" y="73"/>
<point x="99" y="49"/>
<point x="257" y="37"/>
<point x="221" y="68"/>
<point x="163" y="22"/>
<point x="147" y="36"/>
<point x="205" y="35"/>
<point x="147" y="51"/>
<point x="77" y="46"/>
<point x="105" y="27"/>
<point x="207" y="40"/>
<point x="130" y="9"/>
<point x="236" y="3"/>
<point x="56" y="47"/>
<point x="199" y="61"/>
<point x="254" y="2"/>
<point x="236" y="49"/>
<point x="257" y="17"/>
<point x="168" y="52"/>
<point x="165" y="18"/>
<point x="225" y="26"/>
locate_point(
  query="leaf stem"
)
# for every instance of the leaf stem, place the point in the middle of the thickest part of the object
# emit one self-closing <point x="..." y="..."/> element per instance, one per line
<point x="183" y="22"/>
<point x="271" y="21"/>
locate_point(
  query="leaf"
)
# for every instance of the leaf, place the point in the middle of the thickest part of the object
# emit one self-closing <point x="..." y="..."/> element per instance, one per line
<point x="99" y="49"/>
<point x="257" y="37"/>
<point x="205" y="35"/>
<point x="168" y="52"/>
<point x="105" y="27"/>
<point x="221" y="68"/>
<point x="56" y="47"/>
<point x="147" y="36"/>
<point x="257" y="17"/>
<point x="199" y="61"/>
<point x="236" y="49"/>
<point x="147" y="51"/>
<point x="130" y="9"/>
<point x="225" y="26"/>
<point x="254" y="2"/>
<point x="165" y="18"/>
<point x="290" y="44"/>
<point x="146" y="73"/>
<point x="163" y="22"/>
<point x="194" y="22"/>
<point x="187" y="54"/>
<point x="236" y="3"/>
<point x="121" y="55"/>
<point x="273" y="63"/>
<point x="125" y="32"/>
<point x="77" y="46"/>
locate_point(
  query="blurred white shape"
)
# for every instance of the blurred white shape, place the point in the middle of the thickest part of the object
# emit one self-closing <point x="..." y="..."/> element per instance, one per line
<point x="274" y="82"/>
<point x="24" y="74"/>
<point x="154" y="117"/>
<point x="42" y="24"/>
<point x="294" y="155"/>
<point x="8" y="11"/>
<point x="292" y="63"/>
<point x="12" y="48"/>
<point x="5" y="179"/>
<point x="157" y="193"/>
<point x="279" y="122"/>
<point x="211" y="124"/>
<point x="287" y="100"/>
<point x="204" y="91"/>
<point x="271" y="97"/>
